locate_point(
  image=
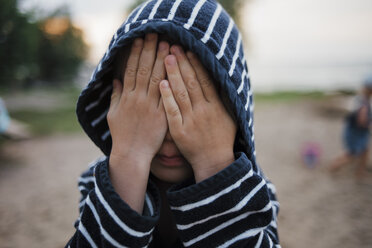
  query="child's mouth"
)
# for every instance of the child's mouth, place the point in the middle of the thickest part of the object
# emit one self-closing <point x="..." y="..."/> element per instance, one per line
<point x="171" y="160"/>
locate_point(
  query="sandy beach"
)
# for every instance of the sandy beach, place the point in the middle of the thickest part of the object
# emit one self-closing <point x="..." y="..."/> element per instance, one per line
<point x="39" y="195"/>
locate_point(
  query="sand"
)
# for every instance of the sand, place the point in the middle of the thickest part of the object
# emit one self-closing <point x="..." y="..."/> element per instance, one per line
<point x="39" y="195"/>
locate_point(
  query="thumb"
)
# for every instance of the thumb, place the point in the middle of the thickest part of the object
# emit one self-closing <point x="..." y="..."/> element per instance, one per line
<point x="116" y="92"/>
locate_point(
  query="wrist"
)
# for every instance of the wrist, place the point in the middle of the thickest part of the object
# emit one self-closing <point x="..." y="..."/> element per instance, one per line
<point x="128" y="159"/>
<point x="212" y="165"/>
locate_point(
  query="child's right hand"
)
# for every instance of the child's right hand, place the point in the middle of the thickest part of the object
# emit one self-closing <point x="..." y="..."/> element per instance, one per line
<point x="136" y="116"/>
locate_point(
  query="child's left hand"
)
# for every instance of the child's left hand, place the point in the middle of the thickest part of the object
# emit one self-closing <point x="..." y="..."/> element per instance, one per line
<point x="201" y="127"/>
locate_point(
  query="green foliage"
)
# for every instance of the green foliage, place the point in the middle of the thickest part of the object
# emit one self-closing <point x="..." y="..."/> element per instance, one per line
<point x="287" y="96"/>
<point x="61" y="54"/>
<point x="62" y="120"/>
<point x="29" y="52"/>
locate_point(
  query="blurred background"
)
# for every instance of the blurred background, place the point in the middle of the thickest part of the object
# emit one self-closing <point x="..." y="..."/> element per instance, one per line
<point x="307" y="60"/>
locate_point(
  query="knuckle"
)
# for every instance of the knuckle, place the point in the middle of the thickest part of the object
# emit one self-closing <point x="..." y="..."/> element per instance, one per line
<point x="143" y="71"/>
<point x="130" y="71"/>
<point x="155" y="79"/>
<point x="192" y="83"/>
<point x="174" y="112"/>
<point x="182" y="96"/>
<point x="205" y="81"/>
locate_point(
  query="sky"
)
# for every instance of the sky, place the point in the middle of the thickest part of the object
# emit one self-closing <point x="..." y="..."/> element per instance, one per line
<point x="290" y="44"/>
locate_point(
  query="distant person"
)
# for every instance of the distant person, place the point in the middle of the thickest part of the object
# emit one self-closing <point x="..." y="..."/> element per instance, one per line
<point x="356" y="134"/>
<point x="170" y="106"/>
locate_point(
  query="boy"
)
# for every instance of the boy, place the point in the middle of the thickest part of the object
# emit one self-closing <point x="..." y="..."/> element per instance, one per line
<point x="180" y="169"/>
<point x="356" y="133"/>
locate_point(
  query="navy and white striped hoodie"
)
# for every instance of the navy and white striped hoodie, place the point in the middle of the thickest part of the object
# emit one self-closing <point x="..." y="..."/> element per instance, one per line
<point x="234" y="208"/>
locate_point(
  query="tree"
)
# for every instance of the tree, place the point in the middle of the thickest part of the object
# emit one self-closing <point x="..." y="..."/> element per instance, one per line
<point x="50" y="48"/>
<point x="18" y="44"/>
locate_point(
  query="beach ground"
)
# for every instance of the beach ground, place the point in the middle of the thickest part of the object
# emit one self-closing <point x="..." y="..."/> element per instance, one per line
<point x="39" y="195"/>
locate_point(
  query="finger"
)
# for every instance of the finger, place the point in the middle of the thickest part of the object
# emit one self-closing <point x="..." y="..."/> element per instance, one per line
<point x="158" y="72"/>
<point x="204" y="79"/>
<point x="146" y="62"/>
<point x="172" y="110"/>
<point x="188" y="75"/>
<point x="176" y="83"/>
<point x="132" y="65"/>
<point x="116" y="93"/>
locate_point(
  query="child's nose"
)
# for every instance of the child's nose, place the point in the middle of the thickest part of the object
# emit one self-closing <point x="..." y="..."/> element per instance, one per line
<point x="168" y="136"/>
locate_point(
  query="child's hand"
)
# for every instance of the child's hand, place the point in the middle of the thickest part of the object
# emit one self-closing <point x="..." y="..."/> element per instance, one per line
<point x="136" y="117"/>
<point x="198" y="121"/>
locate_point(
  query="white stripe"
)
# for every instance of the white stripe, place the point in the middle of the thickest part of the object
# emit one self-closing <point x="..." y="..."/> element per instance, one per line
<point x="105" y="135"/>
<point x="225" y="39"/>
<point x="271" y="242"/>
<point x="254" y="154"/>
<point x="235" y="57"/>
<point x="139" y="12"/>
<point x="86" y="180"/>
<point x="272" y="188"/>
<point x="248" y="99"/>
<point x="95" y="103"/>
<point x="236" y="208"/>
<point x="250" y="122"/>
<point x="100" y="118"/>
<point x="218" y="228"/>
<point x="103" y="231"/>
<point x="82" y="188"/>
<point x="99" y="66"/>
<point x="252" y="138"/>
<point x="149" y="204"/>
<point x="216" y="14"/>
<point x="273" y="223"/>
<point x="95" y="162"/>
<point x="82" y="203"/>
<point x="174" y="10"/>
<point x="214" y="197"/>
<point x="116" y="218"/>
<point x="275" y="203"/>
<point x="194" y="14"/>
<point x="242" y="83"/>
<point x="247" y="234"/>
<point x="259" y="241"/>
<point x="86" y="235"/>
<point x="153" y="11"/>
<point x="131" y="14"/>
<point x="127" y="28"/>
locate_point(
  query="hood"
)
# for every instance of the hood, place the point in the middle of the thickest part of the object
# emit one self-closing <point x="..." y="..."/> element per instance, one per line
<point x="201" y="26"/>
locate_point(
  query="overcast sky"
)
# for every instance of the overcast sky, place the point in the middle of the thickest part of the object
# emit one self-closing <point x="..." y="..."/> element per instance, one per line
<point x="282" y="34"/>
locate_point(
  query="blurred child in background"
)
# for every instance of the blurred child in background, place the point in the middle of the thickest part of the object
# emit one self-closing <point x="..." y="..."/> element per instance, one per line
<point x="356" y="132"/>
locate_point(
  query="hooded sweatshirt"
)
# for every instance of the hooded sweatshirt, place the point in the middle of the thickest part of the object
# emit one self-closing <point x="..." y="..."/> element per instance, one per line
<point x="237" y="206"/>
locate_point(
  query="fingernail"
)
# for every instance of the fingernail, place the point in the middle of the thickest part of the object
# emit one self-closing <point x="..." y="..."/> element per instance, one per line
<point x="138" y="42"/>
<point x="151" y="36"/>
<point x="189" y="54"/>
<point x="164" y="84"/>
<point x="163" y="46"/>
<point x="171" y="60"/>
<point x="176" y="49"/>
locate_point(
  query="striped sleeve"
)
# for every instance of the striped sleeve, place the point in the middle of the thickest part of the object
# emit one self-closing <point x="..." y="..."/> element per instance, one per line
<point x="105" y="219"/>
<point x="235" y="207"/>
